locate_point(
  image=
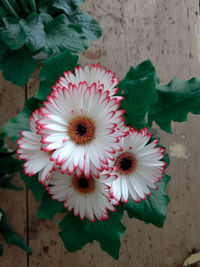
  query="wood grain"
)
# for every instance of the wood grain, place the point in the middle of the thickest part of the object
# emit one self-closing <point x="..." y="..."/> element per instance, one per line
<point x="163" y="31"/>
<point x="13" y="202"/>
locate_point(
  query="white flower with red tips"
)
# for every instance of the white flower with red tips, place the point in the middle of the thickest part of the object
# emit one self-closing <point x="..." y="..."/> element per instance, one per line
<point x="80" y="125"/>
<point x="104" y="78"/>
<point x="30" y="150"/>
<point x="138" y="166"/>
<point x="87" y="197"/>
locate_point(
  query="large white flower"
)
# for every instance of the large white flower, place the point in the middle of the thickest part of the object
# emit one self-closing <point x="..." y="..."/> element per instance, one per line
<point x="30" y="150"/>
<point x="138" y="166"/>
<point x="104" y="78"/>
<point x="80" y="125"/>
<point x="88" y="197"/>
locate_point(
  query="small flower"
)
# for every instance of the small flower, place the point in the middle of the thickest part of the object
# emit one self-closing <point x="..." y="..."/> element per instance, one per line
<point x="30" y="150"/>
<point x="104" y="78"/>
<point x="88" y="197"/>
<point x="138" y="166"/>
<point x="80" y="125"/>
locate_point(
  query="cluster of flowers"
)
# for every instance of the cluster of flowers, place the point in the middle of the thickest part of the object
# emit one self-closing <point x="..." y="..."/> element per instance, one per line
<point x="84" y="153"/>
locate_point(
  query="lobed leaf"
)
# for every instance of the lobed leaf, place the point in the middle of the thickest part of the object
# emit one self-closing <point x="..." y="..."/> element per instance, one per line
<point x="138" y="88"/>
<point x="17" y="66"/>
<point x="49" y="207"/>
<point x="60" y="35"/>
<point x="68" y="6"/>
<point x="153" y="208"/>
<point x="14" y="34"/>
<point x="33" y="184"/>
<point x="175" y="100"/>
<point x="10" y="236"/>
<point x="34" y="28"/>
<point x="76" y="233"/>
<point x="90" y="27"/>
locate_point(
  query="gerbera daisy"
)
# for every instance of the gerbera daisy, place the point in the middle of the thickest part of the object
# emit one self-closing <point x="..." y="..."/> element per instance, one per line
<point x="30" y="150"/>
<point x="88" y="197"/>
<point x="96" y="74"/>
<point x="138" y="166"/>
<point x="80" y="125"/>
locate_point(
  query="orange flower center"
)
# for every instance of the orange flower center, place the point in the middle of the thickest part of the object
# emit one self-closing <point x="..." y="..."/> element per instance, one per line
<point x="126" y="163"/>
<point x="81" y="130"/>
<point x="83" y="185"/>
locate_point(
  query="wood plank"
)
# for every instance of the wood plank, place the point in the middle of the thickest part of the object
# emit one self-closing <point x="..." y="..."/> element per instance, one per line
<point x="13" y="202"/>
<point x="133" y="31"/>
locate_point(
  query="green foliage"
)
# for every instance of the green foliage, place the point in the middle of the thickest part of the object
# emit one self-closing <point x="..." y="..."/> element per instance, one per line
<point x="76" y="233"/>
<point x="90" y="27"/>
<point x="52" y="68"/>
<point x="32" y="183"/>
<point x="146" y="100"/>
<point x="18" y="65"/>
<point x="153" y="208"/>
<point x="10" y="236"/>
<point x="8" y="166"/>
<point x="61" y="35"/>
<point x="68" y="6"/>
<point x="49" y="207"/>
<point x="175" y="100"/>
<point x="138" y="89"/>
<point x="34" y="28"/>
<point x="13" y="35"/>
<point x="29" y="27"/>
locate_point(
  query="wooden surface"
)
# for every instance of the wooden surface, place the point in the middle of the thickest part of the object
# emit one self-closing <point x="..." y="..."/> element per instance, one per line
<point x="133" y="31"/>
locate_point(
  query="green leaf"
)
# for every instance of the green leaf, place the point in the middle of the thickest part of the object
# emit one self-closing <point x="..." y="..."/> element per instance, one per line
<point x="153" y="208"/>
<point x="68" y="6"/>
<point x="10" y="236"/>
<point x="3" y="50"/>
<point x="10" y="9"/>
<point x="77" y="233"/>
<point x="11" y="165"/>
<point x="46" y="6"/>
<point x="17" y="66"/>
<point x="32" y="4"/>
<point x="52" y="69"/>
<point x="175" y="100"/>
<point x="24" y="7"/>
<point x="49" y="207"/>
<point x="13" y="34"/>
<point x="90" y="27"/>
<point x="15" y="7"/>
<point x="61" y="36"/>
<point x="138" y="88"/>
<point x="20" y="123"/>
<point x="8" y="166"/>
<point x="34" y="28"/>
<point x="2" y="13"/>
<point x="46" y="19"/>
<point x="33" y="184"/>
<point x="6" y="183"/>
